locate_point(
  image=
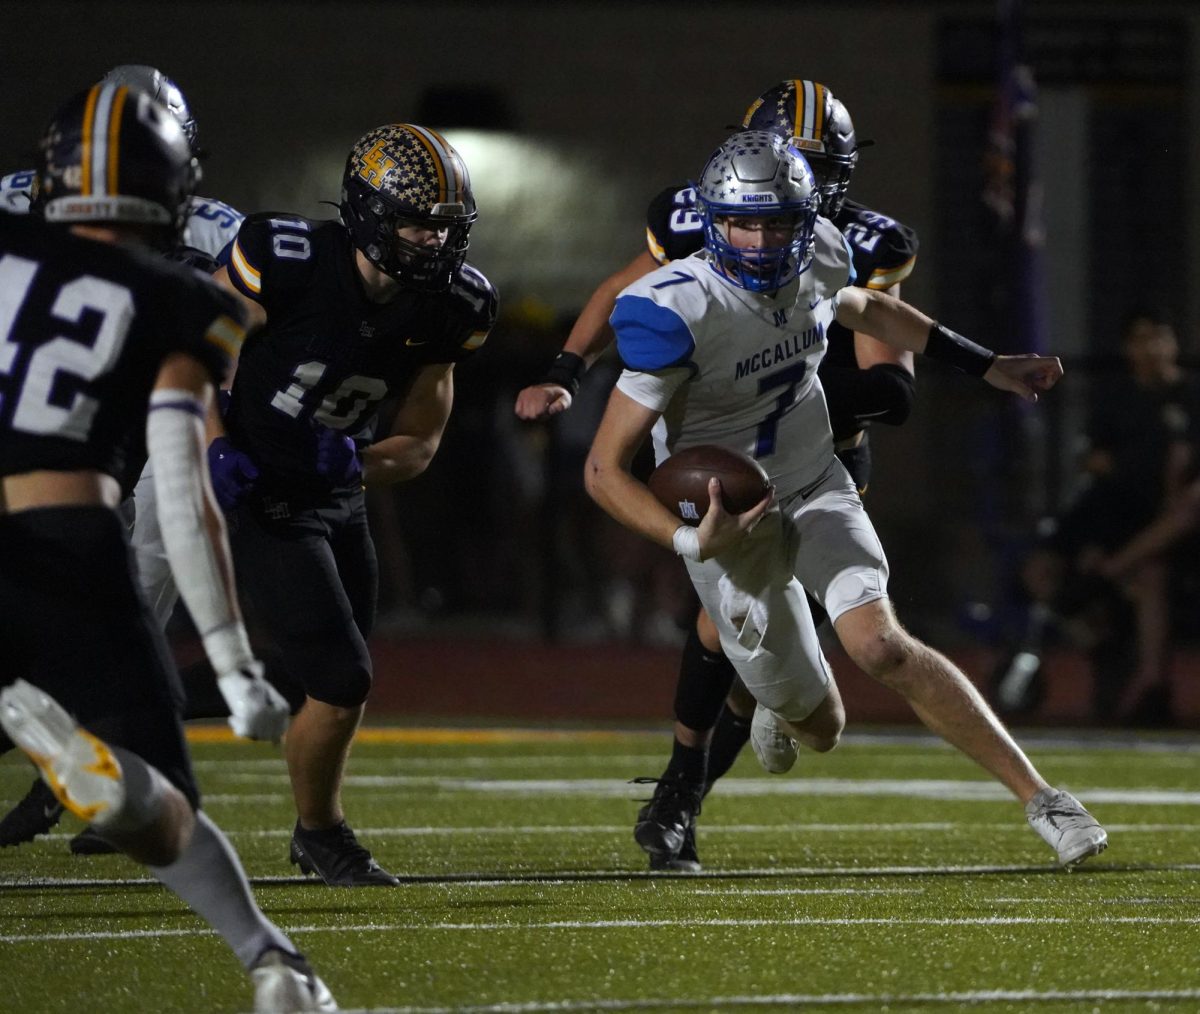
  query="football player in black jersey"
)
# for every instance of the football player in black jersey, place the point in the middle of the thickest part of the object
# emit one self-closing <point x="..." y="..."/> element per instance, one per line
<point x="204" y="244"/>
<point x="864" y="380"/>
<point x="356" y="313"/>
<point x="103" y="340"/>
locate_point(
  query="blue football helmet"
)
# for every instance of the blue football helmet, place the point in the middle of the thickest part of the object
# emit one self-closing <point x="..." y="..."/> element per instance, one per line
<point x="757" y="174"/>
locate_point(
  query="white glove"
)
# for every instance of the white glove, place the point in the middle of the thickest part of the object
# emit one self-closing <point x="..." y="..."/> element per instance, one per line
<point x="257" y="709"/>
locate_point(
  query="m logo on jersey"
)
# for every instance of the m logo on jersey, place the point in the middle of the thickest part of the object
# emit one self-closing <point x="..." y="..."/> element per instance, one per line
<point x="780" y="317"/>
<point x="375" y="165"/>
<point x="687" y="511"/>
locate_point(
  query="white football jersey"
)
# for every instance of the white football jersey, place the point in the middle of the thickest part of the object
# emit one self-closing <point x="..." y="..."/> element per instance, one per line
<point x="14" y="191"/>
<point x="736" y="368"/>
<point x="211" y="225"/>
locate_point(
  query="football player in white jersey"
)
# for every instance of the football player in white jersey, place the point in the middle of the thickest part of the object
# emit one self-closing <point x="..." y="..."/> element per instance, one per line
<point x="722" y="348"/>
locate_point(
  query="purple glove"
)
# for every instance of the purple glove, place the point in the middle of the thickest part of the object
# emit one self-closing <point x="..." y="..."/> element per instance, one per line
<point x="337" y="458"/>
<point x="233" y="473"/>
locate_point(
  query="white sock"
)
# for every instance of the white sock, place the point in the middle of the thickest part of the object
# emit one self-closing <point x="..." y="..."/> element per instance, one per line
<point x="209" y="877"/>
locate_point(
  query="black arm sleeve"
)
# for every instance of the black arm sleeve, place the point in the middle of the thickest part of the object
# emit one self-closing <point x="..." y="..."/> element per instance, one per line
<point x="884" y="393"/>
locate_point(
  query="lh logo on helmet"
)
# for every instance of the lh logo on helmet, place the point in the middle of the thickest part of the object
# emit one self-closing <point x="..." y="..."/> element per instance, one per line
<point x="375" y="165"/>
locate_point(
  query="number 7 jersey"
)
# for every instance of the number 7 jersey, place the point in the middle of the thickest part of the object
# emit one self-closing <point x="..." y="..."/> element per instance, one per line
<point x="736" y="368"/>
<point x="328" y="356"/>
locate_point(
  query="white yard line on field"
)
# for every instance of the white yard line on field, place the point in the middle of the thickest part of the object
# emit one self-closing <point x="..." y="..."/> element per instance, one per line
<point x="686" y="921"/>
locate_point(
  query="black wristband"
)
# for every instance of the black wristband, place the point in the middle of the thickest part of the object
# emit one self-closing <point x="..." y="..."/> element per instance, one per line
<point x="565" y="371"/>
<point x="947" y="346"/>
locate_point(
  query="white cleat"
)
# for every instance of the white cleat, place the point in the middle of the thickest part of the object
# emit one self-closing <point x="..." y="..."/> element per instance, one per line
<point x="775" y="749"/>
<point x="284" y="984"/>
<point x="81" y="770"/>
<point x="1066" y="826"/>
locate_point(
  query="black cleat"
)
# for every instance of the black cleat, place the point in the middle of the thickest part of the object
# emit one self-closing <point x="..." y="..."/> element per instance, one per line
<point x="88" y="843"/>
<point x="35" y="814"/>
<point x="687" y="861"/>
<point x="664" y="823"/>
<point x="337" y="858"/>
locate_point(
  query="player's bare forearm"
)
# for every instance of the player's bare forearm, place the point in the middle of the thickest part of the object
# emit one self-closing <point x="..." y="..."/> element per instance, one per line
<point x="397" y="459"/>
<point x="628" y="501"/>
<point x="589" y="337"/>
<point x="416" y="431"/>
<point x="885" y="318"/>
<point x="607" y="478"/>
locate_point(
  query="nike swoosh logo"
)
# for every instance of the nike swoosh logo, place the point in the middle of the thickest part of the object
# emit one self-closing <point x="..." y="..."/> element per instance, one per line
<point x="813" y="305"/>
<point x="409" y="341"/>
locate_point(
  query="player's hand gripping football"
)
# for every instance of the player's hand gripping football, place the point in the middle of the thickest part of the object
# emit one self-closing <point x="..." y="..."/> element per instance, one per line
<point x="256" y="709"/>
<point x="1024" y="375"/>
<point x="719" y="530"/>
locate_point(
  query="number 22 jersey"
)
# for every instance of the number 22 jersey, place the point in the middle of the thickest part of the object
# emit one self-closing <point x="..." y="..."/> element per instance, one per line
<point x="84" y="329"/>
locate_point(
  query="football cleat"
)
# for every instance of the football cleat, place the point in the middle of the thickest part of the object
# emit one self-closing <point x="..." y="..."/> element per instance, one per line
<point x="82" y="772"/>
<point x="687" y="861"/>
<point x="775" y="749"/>
<point x="285" y="983"/>
<point x="35" y="813"/>
<point x="89" y="843"/>
<point x="1066" y="826"/>
<point x="664" y="822"/>
<point x="337" y="858"/>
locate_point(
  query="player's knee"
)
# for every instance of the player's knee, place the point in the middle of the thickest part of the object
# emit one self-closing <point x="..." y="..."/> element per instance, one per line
<point x="883" y="653"/>
<point x="347" y="686"/>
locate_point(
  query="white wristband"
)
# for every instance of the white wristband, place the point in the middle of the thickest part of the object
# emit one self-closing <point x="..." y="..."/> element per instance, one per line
<point x="686" y="541"/>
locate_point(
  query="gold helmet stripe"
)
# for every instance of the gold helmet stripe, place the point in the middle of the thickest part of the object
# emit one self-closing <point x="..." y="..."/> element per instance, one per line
<point x="89" y="116"/>
<point x="114" y="138"/>
<point x="810" y="111"/>
<point x="453" y="163"/>
<point x="429" y="142"/>
<point x="97" y="132"/>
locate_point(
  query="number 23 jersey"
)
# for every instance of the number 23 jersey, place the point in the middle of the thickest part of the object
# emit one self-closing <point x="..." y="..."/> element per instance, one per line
<point x="328" y="356"/>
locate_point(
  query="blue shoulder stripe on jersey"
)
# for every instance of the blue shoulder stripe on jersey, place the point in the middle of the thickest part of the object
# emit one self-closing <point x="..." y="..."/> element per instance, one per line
<point x="649" y="336"/>
<point x="849" y="253"/>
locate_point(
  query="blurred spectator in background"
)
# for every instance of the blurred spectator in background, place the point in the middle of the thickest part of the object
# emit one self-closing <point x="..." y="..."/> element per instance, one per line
<point x="1136" y="465"/>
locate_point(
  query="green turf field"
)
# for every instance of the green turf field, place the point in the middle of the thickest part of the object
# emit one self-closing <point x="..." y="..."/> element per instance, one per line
<point x="888" y="875"/>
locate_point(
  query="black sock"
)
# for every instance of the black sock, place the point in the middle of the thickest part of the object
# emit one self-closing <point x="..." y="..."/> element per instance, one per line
<point x="704" y="681"/>
<point x="688" y="763"/>
<point x="730" y="735"/>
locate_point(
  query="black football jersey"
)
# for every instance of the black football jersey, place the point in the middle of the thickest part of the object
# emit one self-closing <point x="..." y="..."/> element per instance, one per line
<point x="328" y="355"/>
<point x="884" y="253"/>
<point x="84" y="329"/>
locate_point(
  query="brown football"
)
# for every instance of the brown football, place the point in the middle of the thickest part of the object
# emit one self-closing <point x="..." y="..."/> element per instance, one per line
<point x="681" y="482"/>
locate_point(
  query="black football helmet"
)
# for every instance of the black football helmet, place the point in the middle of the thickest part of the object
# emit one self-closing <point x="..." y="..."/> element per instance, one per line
<point x="401" y="174"/>
<point x="807" y="114"/>
<point x="114" y="155"/>
<point x="159" y="87"/>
